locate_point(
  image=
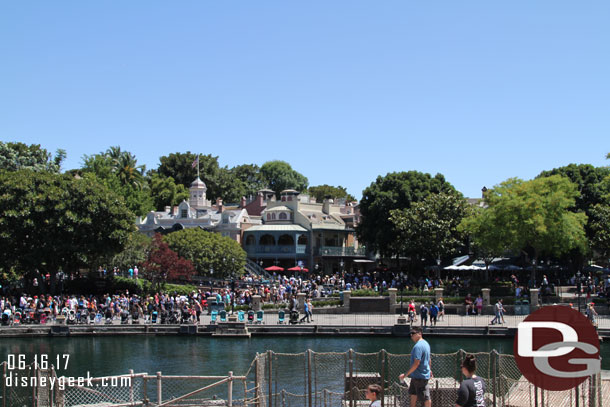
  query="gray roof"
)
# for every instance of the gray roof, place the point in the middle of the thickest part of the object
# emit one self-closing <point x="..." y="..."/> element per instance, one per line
<point x="276" y="228"/>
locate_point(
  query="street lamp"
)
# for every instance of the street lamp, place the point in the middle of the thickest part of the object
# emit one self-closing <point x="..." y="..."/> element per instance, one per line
<point x="402" y="288"/>
<point x="579" y="287"/>
<point x="438" y="267"/>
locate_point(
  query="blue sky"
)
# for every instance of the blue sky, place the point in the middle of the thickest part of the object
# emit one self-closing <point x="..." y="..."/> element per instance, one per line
<point x="479" y="91"/>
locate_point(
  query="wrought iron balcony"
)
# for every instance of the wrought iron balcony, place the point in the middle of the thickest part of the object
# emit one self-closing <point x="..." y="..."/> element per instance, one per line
<point x="341" y="251"/>
<point x="275" y="249"/>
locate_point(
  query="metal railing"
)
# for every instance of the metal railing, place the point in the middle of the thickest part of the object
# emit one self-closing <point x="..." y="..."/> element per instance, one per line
<point x="340" y="251"/>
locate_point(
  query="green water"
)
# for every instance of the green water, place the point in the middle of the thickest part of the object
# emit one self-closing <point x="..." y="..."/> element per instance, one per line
<point x="184" y="355"/>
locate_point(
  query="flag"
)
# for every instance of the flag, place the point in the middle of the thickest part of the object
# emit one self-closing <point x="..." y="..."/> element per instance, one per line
<point x="196" y="162"/>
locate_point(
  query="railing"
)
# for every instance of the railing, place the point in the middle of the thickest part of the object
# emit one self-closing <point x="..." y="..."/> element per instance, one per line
<point x="341" y="251"/>
<point x="253" y="268"/>
<point x="275" y="249"/>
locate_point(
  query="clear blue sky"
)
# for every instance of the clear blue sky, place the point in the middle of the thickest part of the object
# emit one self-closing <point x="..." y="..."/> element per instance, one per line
<point x="479" y="91"/>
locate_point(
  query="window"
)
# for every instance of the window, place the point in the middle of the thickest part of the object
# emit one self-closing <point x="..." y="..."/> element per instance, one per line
<point x="283" y="216"/>
<point x="268" y="216"/>
<point x="302" y="240"/>
<point x="184" y="213"/>
<point x="267" y="240"/>
<point x="273" y="216"/>
<point x="250" y="240"/>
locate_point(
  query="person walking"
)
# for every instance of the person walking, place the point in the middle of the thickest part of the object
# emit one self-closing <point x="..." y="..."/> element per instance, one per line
<point x="420" y="370"/>
<point x="441" y="309"/>
<point x="499" y="309"/>
<point x="433" y="314"/>
<point x="472" y="390"/>
<point x="423" y="312"/>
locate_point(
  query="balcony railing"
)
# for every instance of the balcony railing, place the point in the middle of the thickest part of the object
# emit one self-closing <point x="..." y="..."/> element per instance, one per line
<point x="341" y="251"/>
<point x="274" y="249"/>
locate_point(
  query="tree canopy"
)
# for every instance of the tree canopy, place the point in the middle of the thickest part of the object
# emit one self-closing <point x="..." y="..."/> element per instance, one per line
<point x="396" y="190"/>
<point x="429" y="229"/>
<point x="163" y="264"/>
<point x="321" y="192"/>
<point x="279" y="175"/>
<point x="212" y="254"/>
<point x="119" y="172"/>
<point x="165" y="192"/>
<point x="50" y="221"/>
<point x="20" y="156"/>
<point x="536" y="215"/>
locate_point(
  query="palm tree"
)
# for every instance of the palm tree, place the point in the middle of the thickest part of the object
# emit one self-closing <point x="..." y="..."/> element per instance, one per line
<point x="125" y="166"/>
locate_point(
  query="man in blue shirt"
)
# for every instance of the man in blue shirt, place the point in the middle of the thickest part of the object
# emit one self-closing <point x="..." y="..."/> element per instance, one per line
<point x="419" y="372"/>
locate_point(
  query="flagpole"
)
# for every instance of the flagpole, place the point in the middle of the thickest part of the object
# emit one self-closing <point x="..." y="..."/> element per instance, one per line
<point x="198" y="165"/>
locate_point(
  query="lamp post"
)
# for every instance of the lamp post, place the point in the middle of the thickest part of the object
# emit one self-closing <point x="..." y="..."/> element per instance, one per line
<point x="438" y="267"/>
<point x="579" y="287"/>
<point x="402" y="288"/>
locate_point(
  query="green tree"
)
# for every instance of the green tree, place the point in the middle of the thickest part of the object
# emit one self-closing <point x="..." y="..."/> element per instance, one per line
<point x="536" y="216"/>
<point x="599" y="222"/>
<point x="487" y="239"/>
<point x="179" y="166"/>
<point x="125" y="166"/>
<point x="589" y="182"/>
<point x="321" y="192"/>
<point x="397" y="190"/>
<point x="165" y="192"/>
<point x="279" y="176"/>
<point x="20" y="156"/>
<point x="50" y="221"/>
<point x="208" y="251"/>
<point x="103" y="167"/>
<point x="429" y="229"/>
<point x="135" y="252"/>
<point x="251" y="178"/>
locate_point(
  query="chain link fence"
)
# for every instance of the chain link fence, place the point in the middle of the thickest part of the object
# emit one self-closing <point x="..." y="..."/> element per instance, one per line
<point x="307" y="379"/>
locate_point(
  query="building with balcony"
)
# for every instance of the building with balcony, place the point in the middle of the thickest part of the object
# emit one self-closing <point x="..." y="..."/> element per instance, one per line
<point x="198" y="212"/>
<point x="298" y="232"/>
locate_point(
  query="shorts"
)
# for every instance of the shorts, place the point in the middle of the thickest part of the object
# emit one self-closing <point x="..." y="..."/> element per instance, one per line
<point x="420" y="388"/>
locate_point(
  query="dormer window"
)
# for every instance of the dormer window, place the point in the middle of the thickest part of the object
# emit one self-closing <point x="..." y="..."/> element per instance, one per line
<point x="184" y="213"/>
<point x="283" y="216"/>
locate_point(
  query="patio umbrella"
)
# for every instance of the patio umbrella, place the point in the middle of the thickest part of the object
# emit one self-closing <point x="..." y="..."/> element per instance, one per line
<point x="297" y="268"/>
<point x="274" y="268"/>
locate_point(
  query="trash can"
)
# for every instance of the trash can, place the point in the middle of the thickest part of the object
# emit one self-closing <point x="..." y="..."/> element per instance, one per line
<point x="525" y="307"/>
<point x="518" y="308"/>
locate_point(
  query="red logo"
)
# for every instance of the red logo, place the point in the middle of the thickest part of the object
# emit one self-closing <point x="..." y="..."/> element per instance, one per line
<point x="557" y="348"/>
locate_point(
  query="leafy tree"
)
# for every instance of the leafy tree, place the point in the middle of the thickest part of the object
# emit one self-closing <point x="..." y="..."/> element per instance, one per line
<point x="589" y="182"/>
<point x="322" y="192"/>
<point x="103" y="168"/>
<point x="279" y="175"/>
<point x="536" y="215"/>
<point x="20" y="156"/>
<point x="179" y="166"/>
<point x="396" y="190"/>
<point x="429" y="228"/>
<point x="135" y="252"/>
<point x="487" y="240"/>
<point x="599" y="222"/>
<point x="50" y="221"/>
<point x="228" y="187"/>
<point x="210" y="252"/>
<point x="165" y="192"/>
<point x="163" y="264"/>
<point x="251" y="178"/>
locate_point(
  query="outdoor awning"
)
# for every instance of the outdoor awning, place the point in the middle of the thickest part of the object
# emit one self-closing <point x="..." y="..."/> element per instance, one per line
<point x="363" y="261"/>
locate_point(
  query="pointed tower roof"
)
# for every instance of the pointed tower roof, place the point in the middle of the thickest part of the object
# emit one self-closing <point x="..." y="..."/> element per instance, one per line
<point x="198" y="183"/>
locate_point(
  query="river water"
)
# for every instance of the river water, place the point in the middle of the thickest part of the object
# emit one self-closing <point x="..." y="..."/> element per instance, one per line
<point x="187" y="355"/>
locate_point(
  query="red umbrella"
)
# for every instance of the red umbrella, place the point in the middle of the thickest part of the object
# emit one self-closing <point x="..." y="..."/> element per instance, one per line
<point x="274" y="268"/>
<point x="296" y="268"/>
